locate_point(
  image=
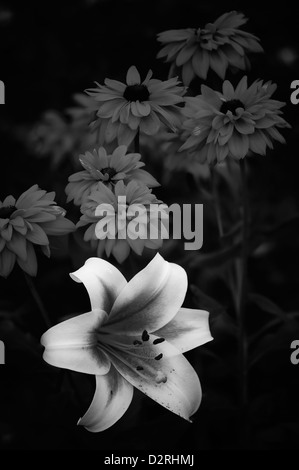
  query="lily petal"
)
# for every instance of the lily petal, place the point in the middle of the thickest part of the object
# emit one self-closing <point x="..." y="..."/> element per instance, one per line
<point x="162" y="373"/>
<point x="103" y="282"/>
<point x="111" y="400"/>
<point x="151" y="298"/>
<point x="187" y="330"/>
<point x="72" y="344"/>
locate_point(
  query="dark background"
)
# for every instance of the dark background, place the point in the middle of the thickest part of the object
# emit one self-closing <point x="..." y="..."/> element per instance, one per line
<point x="48" y="51"/>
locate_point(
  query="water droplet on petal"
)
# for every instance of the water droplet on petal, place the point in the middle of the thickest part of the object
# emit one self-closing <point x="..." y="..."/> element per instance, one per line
<point x="161" y="377"/>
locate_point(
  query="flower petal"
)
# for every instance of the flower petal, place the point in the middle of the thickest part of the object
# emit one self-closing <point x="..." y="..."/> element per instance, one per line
<point x="17" y="245"/>
<point x="162" y="373"/>
<point x="37" y="235"/>
<point x="103" y="282"/>
<point x="72" y="344"/>
<point x="112" y="398"/>
<point x="125" y="134"/>
<point x="150" y="124"/>
<point x="7" y="262"/>
<point x="115" y="85"/>
<point x="9" y="201"/>
<point x="151" y="299"/>
<point x="187" y="73"/>
<point x="120" y="250"/>
<point x="187" y="330"/>
<point x="2" y="244"/>
<point x="117" y="155"/>
<point x="200" y="63"/>
<point x="133" y="77"/>
<point x="185" y="54"/>
<point x="60" y="226"/>
<point x="144" y="177"/>
<point x="238" y="145"/>
<point x="143" y="109"/>
<point x="30" y="264"/>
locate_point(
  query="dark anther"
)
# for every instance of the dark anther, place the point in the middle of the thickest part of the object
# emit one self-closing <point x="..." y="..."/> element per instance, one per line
<point x="139" y="368"/>
<point x="159" y="357"/>
<point x="158" y="340"/>
<point x="136" y="93"/>
<point x="136" y="342"/>
<point x="145" y="336"/>
<point x="109" y="171"/>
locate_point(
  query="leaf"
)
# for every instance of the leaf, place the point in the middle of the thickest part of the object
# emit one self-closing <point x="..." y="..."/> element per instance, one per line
<point x="220" y="322"/>
<point x="205" y="302"/>
<point x="266" y="305"/>
<point x="196" y="260"/>
<point x="269" y="230"/>
<point x="233" y="232"/>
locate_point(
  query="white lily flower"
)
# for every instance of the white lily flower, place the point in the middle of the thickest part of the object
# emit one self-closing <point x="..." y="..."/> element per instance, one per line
<point x="134" y="336"/>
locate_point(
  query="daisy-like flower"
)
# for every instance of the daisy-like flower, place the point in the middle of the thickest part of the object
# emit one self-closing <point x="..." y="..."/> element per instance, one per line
<point x="108" y="169"/>
<point x="59" y="137"/>
<point x="51" y="136"/>
<point x="126" y="108"/>
<point x="115" y="232"/>
<point x="218" y="45"/>
<point x="234" y="122"/>
<point x="84" y="109"/>
<point x="26" y="222"/>
<point x="176" y="161"/>
<point x="134" y="336"/>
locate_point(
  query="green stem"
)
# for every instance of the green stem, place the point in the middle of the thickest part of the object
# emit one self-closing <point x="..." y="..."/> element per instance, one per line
<point x="137" y="142"/>
<point x="216" y="202"/>
<point x="37" y="299"/>
<point x="243" y="353"/>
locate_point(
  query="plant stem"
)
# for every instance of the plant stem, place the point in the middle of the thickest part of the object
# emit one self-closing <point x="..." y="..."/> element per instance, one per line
<point x="41" y="307"/>
<point x="136" y="142"/>
<point x="37" y="300"/>
<point x="243" y="291"/>
<point x="216" y="202"/>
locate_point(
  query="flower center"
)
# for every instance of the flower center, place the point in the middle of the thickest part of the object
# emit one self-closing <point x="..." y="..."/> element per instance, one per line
<point x="109" y="171"/>
<point x="136" y="93"/>
<point x="203" y="36"/>
<point x="231" y="105"/>
<point x="113" y="344"/>
<point x="5" y="212"/>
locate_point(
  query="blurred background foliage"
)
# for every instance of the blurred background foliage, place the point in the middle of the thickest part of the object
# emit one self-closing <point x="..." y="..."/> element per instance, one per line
<point x="50" y="50"/>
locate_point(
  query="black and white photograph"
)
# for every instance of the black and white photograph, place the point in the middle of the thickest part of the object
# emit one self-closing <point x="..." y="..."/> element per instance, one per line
<point x="149" y="228"/>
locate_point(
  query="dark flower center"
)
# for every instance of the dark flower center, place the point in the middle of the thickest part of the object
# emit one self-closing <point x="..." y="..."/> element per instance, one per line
<point x="231" y="105"/>
<point x="5" y="212"/>
<point x="109" y="171"/>
<point x="136" y="93"/>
